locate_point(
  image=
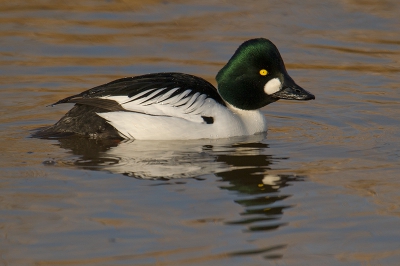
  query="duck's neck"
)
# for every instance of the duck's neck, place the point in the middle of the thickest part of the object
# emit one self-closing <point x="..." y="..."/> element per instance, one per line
<point x="253" y="120"/>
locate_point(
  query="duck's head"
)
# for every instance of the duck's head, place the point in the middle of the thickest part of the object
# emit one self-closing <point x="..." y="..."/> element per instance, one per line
<point x="256" y="76"/>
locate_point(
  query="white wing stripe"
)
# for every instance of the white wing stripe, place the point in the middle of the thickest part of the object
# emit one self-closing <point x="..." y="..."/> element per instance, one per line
<point x="135" y="97"/>
<point x="187" y="104"/>
<point x="192" y="100"/>
<point x="148" y="100"/>
<point x="182" y="100"/>
<point x="197" y="104"/>
<point x="167" y="95"/>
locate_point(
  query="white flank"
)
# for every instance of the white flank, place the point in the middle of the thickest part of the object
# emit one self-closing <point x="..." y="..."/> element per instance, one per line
<point x="180" y="117"/>
<point x="272" y="86"/>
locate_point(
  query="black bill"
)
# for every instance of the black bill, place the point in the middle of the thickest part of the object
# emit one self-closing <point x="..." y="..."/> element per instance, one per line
<point x="291" y="91"/>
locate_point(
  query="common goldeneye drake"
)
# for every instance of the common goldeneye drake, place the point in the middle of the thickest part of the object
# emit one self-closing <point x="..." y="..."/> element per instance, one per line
<point x="167" y="106"/>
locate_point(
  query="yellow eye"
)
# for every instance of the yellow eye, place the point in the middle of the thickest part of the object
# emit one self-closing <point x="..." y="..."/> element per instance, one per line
<point x="263" y="72"/>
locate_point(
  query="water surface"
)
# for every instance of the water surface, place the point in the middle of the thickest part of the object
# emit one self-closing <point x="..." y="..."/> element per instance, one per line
<point x="320" y="188"/>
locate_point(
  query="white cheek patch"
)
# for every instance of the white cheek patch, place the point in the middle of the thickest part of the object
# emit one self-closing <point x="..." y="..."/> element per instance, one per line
<point x="272" y="86"/>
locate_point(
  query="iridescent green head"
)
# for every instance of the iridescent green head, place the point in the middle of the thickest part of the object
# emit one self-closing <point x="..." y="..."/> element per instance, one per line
<point x="256" y="76"/>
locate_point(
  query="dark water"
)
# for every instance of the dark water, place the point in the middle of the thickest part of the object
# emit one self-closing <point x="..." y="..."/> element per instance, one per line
<point x="321" y="188"/>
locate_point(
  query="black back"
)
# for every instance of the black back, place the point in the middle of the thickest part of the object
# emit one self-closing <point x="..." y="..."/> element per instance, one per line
<point x="132" y="86"/>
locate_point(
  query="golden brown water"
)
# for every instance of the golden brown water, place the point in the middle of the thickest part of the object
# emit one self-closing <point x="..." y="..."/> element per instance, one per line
<point x="322" y="188"/>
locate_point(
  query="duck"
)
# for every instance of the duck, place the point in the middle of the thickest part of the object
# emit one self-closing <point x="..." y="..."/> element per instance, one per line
<point x="178" y="106"/>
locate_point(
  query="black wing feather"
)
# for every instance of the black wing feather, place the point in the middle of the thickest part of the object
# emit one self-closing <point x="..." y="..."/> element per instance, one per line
<point x="83" y="120"/>
<point x="132" y="86"/>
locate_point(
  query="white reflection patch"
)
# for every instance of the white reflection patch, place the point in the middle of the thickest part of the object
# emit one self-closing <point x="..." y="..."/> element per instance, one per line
<point x="271" y="180"/>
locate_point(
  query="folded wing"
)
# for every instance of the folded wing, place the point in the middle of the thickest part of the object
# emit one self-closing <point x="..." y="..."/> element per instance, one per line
<point x="161" y="94"/>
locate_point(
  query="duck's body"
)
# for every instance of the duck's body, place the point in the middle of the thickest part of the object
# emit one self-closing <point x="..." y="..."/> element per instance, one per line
<point x="166" y="106"/>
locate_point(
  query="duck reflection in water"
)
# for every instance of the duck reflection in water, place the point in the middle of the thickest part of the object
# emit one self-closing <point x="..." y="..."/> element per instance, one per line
<point x="241" y="163"/>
